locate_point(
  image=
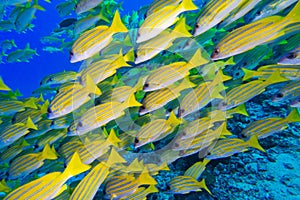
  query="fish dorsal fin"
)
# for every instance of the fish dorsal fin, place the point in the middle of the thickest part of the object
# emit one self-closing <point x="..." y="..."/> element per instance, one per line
<point x="30" y="103"/>
<point x="48" y="153"/>
<point x="135" y="166"/>
<point x="29" y="124"/>
<point x="112" y="138"/>
<point x="91" y="86"/>
<point x="76" y="166"/>
<point x="117" y="24"/>
<point x="114" y="157"/>
<point x="181" y="29"/>
<point x="173" y="120"/>
<point x="145" y="178"/>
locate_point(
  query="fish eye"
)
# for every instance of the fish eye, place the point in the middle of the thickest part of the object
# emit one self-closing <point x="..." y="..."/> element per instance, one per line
<point x="208" y="153"/>
<point x="181" y="152"/>
<point x="279" y="95"/>
<point x="71" y="53"/>
<point x="142" y="108"/>
<point x="184" y="133"/>
<point x="217" y="51"/>
<point x="224" y="104"/>
<point x="237" y="73"/>
<point x="136" y="140"/>
<point x="258" y="13"/>
<point x="243" y="136"/>
<point x="49" y="110"/>
<point x="176" y="145"/>
<point x="79" y="124"/>
<point x="197" y="26"/>
<point x="170" y="110"/>
<point x="245" y="64"/>
<point x="146" y="85"/>
<point x="292" y="55"/>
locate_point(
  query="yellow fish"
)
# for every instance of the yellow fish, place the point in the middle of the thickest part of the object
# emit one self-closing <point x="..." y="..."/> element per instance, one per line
<point x="90" y="184"/>
<point x="72" y="97"/>
<point x="169" y="74"/>
<point x="100" y="115"/>
<point x="163" y="41"/>
<point x="158" y="21"/>
<point x="94" y="40"/>
<point x="160" y="98"/>
<point x="256" y="33"/>
<point x="48" y="186"/>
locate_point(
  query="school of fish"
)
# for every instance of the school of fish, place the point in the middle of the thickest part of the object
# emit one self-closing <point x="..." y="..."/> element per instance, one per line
<point x="154" y="86"/>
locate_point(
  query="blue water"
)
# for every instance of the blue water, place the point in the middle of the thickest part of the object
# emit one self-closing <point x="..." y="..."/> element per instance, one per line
<point x="27" y="76"/>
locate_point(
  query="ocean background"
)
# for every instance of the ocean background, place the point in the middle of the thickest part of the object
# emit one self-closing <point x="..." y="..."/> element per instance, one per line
<point x="26" y="77"/>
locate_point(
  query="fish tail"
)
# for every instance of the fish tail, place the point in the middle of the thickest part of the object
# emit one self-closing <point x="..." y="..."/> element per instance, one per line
<point x="121" y="61"/>
<point x="202" y="184"/>
<point x="215" y="93"/>
<point x="220" y="78"/>
<point x="181" y="29"/>
<point x="129" y="56"/>
<point x="197" y="59"/>
<point x="152" y="189"/>
<point x="294" y="14"/>
<point x="241" y="109"/>
<point x="185" y="84"/>
<point x="114" y="157"/>
<point x="248" y="74"/>
<point x="29" y="124"/>
<point x="275" y="78"/>
<point x="3" y="86"/>
<point x="45" y="106"/>
<point x="187" y="5"/>
<point x="146" y="179"/>
<point x="76" y="166"/>
<point x="30" y="103"/>
<point x="293" y="116"/>
<point x="131" y="102"/>
<point x="253" y="142"/>
<point x="173" y="120"/>
<point x="112" y="138"/>
<point x="225" y="131"/>
<point x="91" y="86"/>
<point x="24" y="143"/>
<point x="117" y="24"/>
<point x="230" y="61"/>
<point x="48" y="153"/>
<point x="102" y="16"/>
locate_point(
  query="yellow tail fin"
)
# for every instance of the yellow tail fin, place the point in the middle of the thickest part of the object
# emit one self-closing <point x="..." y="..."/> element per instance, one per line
<point x="112" y="138"/>
<point x="230" y="61"/>
<point x="220" y="78"/>
<point x="91" y="86"/>
<point x="146" y="179"/>
<point x="187" y="5"/>
<point x="45" y="106"/>
<point x="151" y="189"/>
<point x="117" y="24"/>
<point x="248" y="74"/>
<point x="253" y="142"/>
<point x="275" y="78"/>
<point x="294" y="14"/>
<point x="30" y="103"/>
<point x="185" y="84"/>
<point x="217" y="115"/>
<point x="131" y="102"/>
<point x="135" y="166"/>
<point x="121" y="61"/>
<point x="3" y="86"/>
<point x="48" y="153"/>
<point x="181" y="30"/>
<point x="197" y="60"/>
<point x="293" y="116"/>
<point x="76" y="166"/>
<point x="202" y="184"/>
<point x="30" y="124"/>
<point x="225" y="131"/>
<point x="24" y="143"/>
<point x="173" y="120"/>
<point x="114" y="157"/>
<point x="241" y="109"/>
<point x="4" y="187"/>
<point x="129" y="56"/>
